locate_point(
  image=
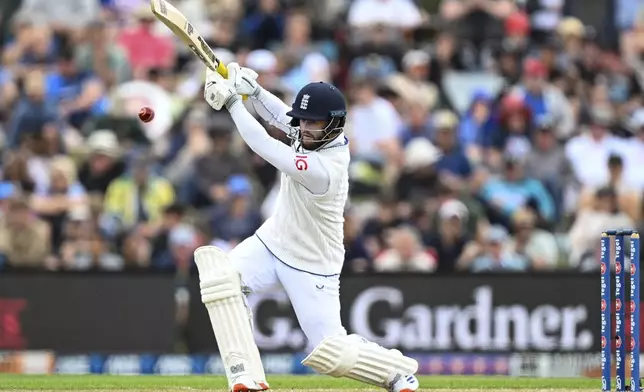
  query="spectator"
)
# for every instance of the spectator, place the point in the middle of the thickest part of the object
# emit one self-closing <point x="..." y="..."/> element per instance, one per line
<point x="517" y="30"/>
<point x="104" y="163"/>
<point x="173" y="216"/>
<point x="547" y="162"/>
<point x="82" y="247"/>
<point x="236" y="218"/>
<point x="634" y="152"/>
<point x="265" y="63"/>
<point x="418" y="176"/>
<point x="596" y="142"/>
<point x="78" y="94"/>
<point x="479" y="21"/>
<point x="413" y="84"/>
<point x="63" y="194"/>
<point x="418" y="124"/>
<point x="190" y="142"/>
<point x="475" y="125"/>
<point x="400" y="14"/>
<point x="628" y="198"/>
<point x="537" y="245"/>
<point x="101" y="54"/>
<point x="405" y="252"/>
<point x="376" y="228"/>
<point x="604" y="215"/>
<point x="213" y="168"/>
<point x="451" y="237"/>
<point x="145" y="49"/>
<point x="62" y="17"/>
<point x="545" y="17"/>
<point x="496" y="256"/>
<point x="514" y="131"/>
<point x="32" y="109"/>
<point x="374" y="125"/>
<point x="138" y="197"/>
<point x="25" y="240"/>
<point x="265" y="24"/>
<point x="16" y="171"/>
<point x="510" y="193"/>
<point x="544" y="99"/>
<point x="183" y="239"/>
<point x="356" y="257"/>
<point x="453" y="166"/>
<point x="476" y="221"/>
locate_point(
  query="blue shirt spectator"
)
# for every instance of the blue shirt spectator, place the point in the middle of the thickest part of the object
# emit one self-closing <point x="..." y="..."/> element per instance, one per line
<point x="513" y="191"/>
<point x="476" y="123"/>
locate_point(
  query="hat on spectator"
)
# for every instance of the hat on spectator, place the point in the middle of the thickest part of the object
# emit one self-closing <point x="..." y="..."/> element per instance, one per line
<point x="513" y="160"/>
<point x="79" y="213"/>
<point x="496" y="234"/>
<point x="445" y="119"/>
<point x="571" y="27"/>
<point x="545" y="123"/>
<point x="239" y="185"/>
<point x="453" y="209"/>
<point x="534" y="68"/>
<point x="182" y="235"/>
<point x="65" y="166"/>
<point x="317" y="67"/>
<point x="261" y="60"/>
<point x="22" y="18"/>
<point x="517" y="24"/>
<point x="637" y="119"/>
<point x="143" y="12"/>
<point x="372" y="66"/>
<point x="524" y="217"/>
<point x="7" y="190"/>
<point x="602" y="116"/>
<point x="224" y="55"/>
<point x="420" y="152"/>
<point x="415" y="58"/>
<point x="398" y="85"/>
<point x="223" y="245"/>
<point x="104" y="142"/>
<point x="198" y="116"/>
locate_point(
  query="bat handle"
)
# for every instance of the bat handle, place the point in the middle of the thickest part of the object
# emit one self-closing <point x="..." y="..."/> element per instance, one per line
<point x="223" y="71"/>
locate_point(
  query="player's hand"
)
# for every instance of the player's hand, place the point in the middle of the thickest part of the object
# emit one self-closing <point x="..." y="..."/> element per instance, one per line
<point x="243" y="79"/>
<point x="219" y="92"/>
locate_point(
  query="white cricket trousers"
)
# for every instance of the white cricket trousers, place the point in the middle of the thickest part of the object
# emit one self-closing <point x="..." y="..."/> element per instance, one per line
<point x="315" y="298"/>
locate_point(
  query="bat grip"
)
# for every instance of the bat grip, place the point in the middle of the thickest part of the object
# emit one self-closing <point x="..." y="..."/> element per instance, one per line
<point x="223" y="71"/>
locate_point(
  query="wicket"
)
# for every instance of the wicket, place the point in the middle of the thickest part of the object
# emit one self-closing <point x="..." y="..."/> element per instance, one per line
<point x="634" y="301"/>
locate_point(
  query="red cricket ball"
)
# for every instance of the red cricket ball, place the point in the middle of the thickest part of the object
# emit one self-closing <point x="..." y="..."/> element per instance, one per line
<point x="146" y="114"/>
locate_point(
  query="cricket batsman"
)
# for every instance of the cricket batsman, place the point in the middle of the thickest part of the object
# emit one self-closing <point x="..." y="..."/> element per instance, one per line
<point x="300" y="247"/>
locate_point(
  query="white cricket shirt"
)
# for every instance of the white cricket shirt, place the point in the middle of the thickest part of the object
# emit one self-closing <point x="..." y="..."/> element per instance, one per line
<point x="306" y="231"/>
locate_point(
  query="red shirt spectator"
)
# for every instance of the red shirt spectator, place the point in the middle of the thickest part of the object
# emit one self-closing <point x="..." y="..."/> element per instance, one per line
<point x="146" y="49"/>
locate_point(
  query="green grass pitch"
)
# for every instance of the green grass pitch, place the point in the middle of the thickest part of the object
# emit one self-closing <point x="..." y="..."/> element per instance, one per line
<point x="284" y="383"/>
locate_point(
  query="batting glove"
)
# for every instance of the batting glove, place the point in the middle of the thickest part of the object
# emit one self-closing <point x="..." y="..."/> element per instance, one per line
<point x="243" y="79"/>
<point x="219" y="92"/>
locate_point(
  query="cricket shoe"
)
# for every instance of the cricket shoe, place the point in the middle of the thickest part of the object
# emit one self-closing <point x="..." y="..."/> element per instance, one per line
<point x="402" y="383"/>
<point x="246" y="384"/>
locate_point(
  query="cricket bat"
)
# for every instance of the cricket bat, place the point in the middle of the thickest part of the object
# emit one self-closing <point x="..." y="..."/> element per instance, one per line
<point x="182" y="28"/>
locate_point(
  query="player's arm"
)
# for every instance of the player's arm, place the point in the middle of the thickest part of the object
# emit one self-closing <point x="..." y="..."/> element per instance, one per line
<point x="307" y="169"/>
<point x="270" y="108"/>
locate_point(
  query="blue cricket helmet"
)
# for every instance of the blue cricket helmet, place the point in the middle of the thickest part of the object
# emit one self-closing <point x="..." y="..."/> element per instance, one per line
<point x="318" y="101"/>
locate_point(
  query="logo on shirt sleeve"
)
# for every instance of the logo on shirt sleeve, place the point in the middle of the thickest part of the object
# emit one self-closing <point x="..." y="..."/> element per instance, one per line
<point x="301" y="163"/>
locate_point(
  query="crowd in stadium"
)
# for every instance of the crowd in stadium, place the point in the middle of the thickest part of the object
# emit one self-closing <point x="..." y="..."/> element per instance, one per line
<point x="486" y="135"/>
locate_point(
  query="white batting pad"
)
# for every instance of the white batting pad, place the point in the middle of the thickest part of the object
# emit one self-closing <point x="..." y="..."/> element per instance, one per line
<point x="230" y="318"/>
<point x="354" y="357"/>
